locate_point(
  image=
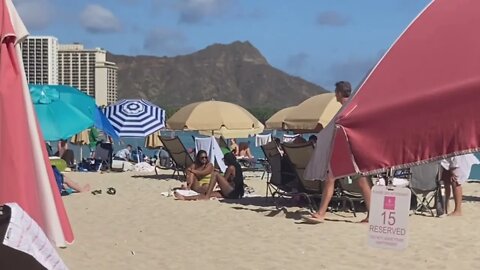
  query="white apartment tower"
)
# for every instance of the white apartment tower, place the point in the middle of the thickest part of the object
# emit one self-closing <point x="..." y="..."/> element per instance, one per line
<point x="89" y="71"/>
<point x="40" y="55"/>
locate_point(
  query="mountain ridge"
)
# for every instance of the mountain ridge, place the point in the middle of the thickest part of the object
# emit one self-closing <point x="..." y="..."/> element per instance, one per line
<point x="235" y="72"/>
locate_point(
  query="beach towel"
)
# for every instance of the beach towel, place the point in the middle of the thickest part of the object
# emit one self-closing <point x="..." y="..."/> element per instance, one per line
<point x="24" y="234"/>
<point x="262" y="139"/>
<point x="204" y="144"/>
<point x="143" y="167"/>
<point x="187" y="192"/>
<point x="289" y="138"/>
<point x="214" y="152"/>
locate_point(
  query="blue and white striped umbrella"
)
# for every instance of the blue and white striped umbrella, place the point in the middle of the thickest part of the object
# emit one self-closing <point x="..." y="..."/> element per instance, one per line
<point x="135" y="117"/>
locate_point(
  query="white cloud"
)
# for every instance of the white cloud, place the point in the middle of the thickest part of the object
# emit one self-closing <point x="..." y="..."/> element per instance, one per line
<point x="97" y="19"/>
<point x="166" y="42"/>
<point x="36" y="14"/>
<point x="332" y="18"/>
<point x="193" y="11"/>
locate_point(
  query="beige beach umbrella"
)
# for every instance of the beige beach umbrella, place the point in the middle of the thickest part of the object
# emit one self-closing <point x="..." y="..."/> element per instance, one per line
<point x="235" y="133"/>
<point x="216" y="118"/>
<point x="276" y="120"/>
<point x="153" y="141"/>
<point x="312" y="114"/>
<point x="81" y="139"/>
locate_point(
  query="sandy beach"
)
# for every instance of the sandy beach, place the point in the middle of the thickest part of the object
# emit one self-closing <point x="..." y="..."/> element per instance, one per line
<point x="138" y="228"/>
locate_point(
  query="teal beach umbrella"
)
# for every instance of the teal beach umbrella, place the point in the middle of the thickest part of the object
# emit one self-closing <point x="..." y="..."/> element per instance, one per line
<point x="62" y="111"/>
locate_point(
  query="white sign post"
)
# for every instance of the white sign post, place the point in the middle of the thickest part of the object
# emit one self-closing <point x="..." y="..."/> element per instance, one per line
<point x="388" y="217"/>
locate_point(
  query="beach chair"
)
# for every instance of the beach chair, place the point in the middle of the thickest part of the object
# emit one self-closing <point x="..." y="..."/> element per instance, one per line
<point x="348" y="190"/>
<point x="179" y="155"/>
<point x="274" y="174"/>
<point x="298" y="155"/>
<point x="425" y="186"/>
<point x="104" y="155"/>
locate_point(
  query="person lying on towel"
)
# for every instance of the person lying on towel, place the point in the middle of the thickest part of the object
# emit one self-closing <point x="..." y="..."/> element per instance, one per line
<point x="231" y="184"/>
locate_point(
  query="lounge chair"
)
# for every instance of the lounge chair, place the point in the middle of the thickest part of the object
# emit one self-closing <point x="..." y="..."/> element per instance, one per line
<point x="425" y="186"/>
<point x="274" y="174"/>
<point x="179" y="155"/>
<point x="104" y="155"/>
<point x="298" y="155"/>
<point x="348" y="190"/>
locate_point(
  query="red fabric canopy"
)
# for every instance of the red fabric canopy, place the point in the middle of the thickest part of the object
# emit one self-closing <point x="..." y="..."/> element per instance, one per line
<point x="25" y="173"/>
<point x="421" y="102"/>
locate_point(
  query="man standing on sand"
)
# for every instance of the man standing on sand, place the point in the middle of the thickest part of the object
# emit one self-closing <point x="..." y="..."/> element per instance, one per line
<point x="457" y="170"/>
<point x="343" y="90"/>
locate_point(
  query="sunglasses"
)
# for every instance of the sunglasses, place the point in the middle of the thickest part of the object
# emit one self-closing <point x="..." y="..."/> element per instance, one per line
<point x="203" y="157"/>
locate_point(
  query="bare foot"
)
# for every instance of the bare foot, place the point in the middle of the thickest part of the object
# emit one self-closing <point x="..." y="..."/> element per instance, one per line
<point x="178" y="196"/>
<point x="455" y="214"/>
<point x="365" y="220"/>
<point x="85" y="188"/>
<point x="314" y="218"/>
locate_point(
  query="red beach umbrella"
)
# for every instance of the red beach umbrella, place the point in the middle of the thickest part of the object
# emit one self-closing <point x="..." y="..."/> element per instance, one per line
<point x="419" y="103"/>
<point x="25" y="173"/>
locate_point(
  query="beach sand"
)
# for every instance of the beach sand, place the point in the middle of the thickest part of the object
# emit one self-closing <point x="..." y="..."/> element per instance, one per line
<point x="138" y="228"/>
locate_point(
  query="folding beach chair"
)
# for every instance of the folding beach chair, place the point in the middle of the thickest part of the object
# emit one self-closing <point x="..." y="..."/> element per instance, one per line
<point x="425" y="186"/>
<point x="104" y="155"/>
<point x="298" y="156"/>
<point x="274" y="174"/>
<point x="179" y="155"/>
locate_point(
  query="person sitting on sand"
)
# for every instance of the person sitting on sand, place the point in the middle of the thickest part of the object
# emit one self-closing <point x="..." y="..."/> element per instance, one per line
<point x="231" y="184"/>
<point x="199" y="173"/>
<point x="67" y="185"/>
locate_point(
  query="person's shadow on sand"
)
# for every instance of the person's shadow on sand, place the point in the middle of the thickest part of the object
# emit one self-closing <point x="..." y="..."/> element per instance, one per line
<point x="265" y="205"/>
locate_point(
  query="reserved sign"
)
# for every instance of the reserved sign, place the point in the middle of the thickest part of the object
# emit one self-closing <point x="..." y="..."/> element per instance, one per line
<point x="388" y="218"/>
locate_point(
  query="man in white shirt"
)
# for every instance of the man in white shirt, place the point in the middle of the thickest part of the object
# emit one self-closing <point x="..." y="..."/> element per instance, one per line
<point x="125" y="153"/>
<point x="457" y="170"/>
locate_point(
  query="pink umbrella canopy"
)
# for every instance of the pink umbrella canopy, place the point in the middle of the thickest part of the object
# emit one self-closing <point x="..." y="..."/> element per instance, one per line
<point x="419" y="103"/>
<point x="25" y="173"/>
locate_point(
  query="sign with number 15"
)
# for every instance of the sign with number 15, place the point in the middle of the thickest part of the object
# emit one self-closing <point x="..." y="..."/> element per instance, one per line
<point x="388" y="218"/>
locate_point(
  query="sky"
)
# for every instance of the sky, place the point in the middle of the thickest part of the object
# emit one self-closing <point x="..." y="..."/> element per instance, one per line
<point x="322" y="41"/>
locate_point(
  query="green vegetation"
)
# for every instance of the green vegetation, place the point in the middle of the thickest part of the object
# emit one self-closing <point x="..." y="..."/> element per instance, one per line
<point x="169" y="111"/>
<point x="262" y="114"/>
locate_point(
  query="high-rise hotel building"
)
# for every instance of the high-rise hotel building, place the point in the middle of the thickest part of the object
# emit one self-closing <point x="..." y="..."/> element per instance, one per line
<point x="89" y="71"/>
<point x="40" y="55"/>
<point x="47" y="62"/>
